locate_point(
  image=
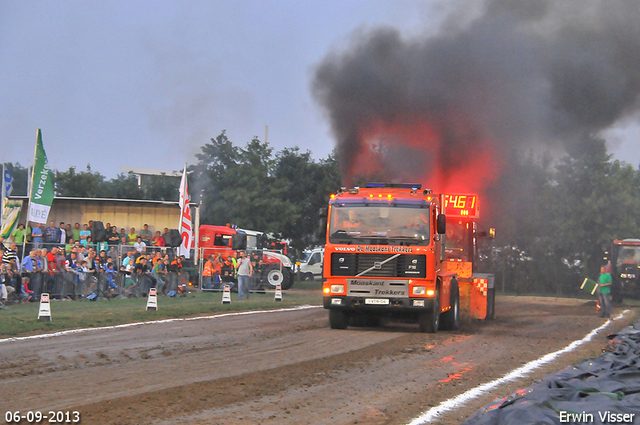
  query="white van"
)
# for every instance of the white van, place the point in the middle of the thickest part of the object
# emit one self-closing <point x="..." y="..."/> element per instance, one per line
<point x="311" y="266"/>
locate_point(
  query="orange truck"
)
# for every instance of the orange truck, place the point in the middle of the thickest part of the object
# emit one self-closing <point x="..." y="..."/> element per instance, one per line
<point x="386" y="254"/>
<point x="275" y="269"/>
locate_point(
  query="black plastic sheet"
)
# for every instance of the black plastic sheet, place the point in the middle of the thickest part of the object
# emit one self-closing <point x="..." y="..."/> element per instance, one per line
<point x="597" y="391"/>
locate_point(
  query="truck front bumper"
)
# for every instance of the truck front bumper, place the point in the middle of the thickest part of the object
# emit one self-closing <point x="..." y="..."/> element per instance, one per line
<point x="350" y="303"/>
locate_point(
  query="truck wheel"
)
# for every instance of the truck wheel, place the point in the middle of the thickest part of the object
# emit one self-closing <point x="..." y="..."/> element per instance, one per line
<point x="451" y="318"/>
<point x="338" y="319"/>
<point x="429" y="320"/>
<point x="274" y="276"/>
<point x="289" y="278"/>
<point x="307" y="276"/>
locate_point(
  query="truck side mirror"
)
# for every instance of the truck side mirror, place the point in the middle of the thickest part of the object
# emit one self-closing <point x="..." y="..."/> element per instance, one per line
<point x="441" y="224"/>
<point x="239" y="242"/>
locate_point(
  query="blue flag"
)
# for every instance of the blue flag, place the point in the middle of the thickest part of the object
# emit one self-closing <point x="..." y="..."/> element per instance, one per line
<point x="7" y="183"/>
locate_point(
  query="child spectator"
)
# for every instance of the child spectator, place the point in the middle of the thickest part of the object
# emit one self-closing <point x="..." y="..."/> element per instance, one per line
<point x="26" y="294"/>
<point x="110" y="274"/>
<point x="84" y="273"/>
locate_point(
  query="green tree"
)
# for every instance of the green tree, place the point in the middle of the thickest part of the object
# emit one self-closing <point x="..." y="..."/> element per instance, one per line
<point x="83" y="184"/>
<point x="124" y="186"/>
<point x="596" y="200"/>
<point x="561" y="218"/>
<point x="20" y="178"/>
<point x="255" y="189"/>
<point x="310" y="184"/>
<point x="161" y="188"/>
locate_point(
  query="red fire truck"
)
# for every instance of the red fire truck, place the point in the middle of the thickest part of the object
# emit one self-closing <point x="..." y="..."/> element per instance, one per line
<point x="275" y="267"/>
<point x="386" y="254"/>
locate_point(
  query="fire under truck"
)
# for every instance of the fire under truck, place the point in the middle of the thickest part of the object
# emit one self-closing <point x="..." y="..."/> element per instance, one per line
<point x="387" y="255"/>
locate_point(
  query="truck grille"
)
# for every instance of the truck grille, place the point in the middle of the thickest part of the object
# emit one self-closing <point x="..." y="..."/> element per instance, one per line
<point x="351" y="264"/>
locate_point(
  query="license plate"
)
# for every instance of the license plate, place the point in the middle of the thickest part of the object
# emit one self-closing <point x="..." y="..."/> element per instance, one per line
<point x="376" y="301"/>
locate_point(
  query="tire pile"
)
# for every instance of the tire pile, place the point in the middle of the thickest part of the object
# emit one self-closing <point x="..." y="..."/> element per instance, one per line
<point x="601" y="390"/>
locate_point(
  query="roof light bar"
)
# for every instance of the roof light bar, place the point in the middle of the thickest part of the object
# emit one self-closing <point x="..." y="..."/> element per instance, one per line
<point x="395" y="185"/>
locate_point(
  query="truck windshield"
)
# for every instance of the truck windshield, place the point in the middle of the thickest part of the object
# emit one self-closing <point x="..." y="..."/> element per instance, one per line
<point x="629" y="255"/>
<point x="456" y="240"/>
<point x="379" y="224"/>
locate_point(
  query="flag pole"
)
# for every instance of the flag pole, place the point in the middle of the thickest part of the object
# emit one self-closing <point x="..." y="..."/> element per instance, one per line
<point x="3" y="192"/>
<point x="180" y="195"/>
<point x="30" y="190"/>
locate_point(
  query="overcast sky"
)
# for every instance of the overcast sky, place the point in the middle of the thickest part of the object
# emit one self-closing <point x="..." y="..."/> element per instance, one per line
<point x="147" y="83"/>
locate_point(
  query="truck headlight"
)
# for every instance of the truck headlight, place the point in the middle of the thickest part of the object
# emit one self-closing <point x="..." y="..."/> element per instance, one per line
<point x="337" y="289"/>
<point x="631" y="276"/>
<point x="419" y="290"/>
<point x="623" y="275"/>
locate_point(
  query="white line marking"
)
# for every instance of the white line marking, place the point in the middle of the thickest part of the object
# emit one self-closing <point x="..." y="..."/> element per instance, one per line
<point x="455" y="402"/>
<point x="153" y="322"/>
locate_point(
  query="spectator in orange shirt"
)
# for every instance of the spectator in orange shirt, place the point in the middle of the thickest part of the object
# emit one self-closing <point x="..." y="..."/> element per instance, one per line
<point x="207" y="273"/>
<point x="217" y="270"/>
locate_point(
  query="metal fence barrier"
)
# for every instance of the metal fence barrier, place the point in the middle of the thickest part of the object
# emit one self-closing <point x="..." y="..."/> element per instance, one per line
<point x="81" y="285"/>
<point x="230" y="277"/>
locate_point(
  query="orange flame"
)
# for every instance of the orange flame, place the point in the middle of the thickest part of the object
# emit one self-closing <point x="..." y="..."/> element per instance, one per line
<point x="447" y="158"/>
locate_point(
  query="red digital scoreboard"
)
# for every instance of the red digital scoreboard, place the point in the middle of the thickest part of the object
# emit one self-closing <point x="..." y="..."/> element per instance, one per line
<point x="461" y="205"/>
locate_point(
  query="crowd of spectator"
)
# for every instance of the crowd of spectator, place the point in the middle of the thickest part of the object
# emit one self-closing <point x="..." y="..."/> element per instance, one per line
<point x="84" y="262"/>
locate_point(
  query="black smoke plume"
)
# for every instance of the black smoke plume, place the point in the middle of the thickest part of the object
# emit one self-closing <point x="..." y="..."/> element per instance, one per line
<point x="521" y="76"/>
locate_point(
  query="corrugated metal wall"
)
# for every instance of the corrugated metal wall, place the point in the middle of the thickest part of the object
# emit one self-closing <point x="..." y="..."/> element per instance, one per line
<point x="121" y="213"/>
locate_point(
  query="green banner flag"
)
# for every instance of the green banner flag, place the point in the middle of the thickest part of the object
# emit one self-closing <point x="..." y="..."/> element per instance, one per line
<point x="41" y="186"/>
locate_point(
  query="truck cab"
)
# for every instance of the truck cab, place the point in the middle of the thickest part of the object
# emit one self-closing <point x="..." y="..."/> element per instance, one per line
<point x="384" y="256"/>
<point x="274" y="267"/>
<point x="625" y="269"/>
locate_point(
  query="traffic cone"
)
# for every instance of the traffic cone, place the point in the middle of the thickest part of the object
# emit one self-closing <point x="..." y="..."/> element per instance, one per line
<point x="45" y="308"/>
<point x="226" y="295"/>
<point x="278" y="293"/>
<point x="152" y="301"/>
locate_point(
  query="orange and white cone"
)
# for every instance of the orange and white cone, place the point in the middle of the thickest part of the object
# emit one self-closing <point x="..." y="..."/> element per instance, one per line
<point x="45" y="308"/>
<point x="152" y="301"/>
<point x="226" y="295"/>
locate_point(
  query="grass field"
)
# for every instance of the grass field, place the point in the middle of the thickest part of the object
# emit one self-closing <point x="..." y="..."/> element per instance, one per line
<point x="22" y="319"/>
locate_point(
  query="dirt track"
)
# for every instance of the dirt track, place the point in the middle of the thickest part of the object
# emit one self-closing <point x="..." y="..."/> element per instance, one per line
<point x="288" y="367"/>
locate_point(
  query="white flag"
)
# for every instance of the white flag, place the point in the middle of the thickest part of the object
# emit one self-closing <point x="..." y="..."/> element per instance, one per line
<point x="186" y="230"/>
